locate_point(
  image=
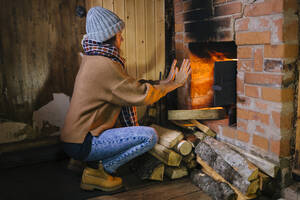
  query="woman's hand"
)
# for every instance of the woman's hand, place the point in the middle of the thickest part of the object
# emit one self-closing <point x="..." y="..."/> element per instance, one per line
<point x="182" y="75"/>
<point x="172" y="73"/>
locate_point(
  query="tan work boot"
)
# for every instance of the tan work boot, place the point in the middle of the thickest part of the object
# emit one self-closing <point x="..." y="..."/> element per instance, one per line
<point x="99" y="179"/>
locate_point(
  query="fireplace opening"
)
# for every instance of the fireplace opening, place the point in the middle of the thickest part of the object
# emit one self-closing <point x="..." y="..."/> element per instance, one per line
<point x="213" y="78"/>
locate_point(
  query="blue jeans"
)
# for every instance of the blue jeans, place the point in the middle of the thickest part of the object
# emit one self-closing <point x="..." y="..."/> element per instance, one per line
<point x="115" y="147"/>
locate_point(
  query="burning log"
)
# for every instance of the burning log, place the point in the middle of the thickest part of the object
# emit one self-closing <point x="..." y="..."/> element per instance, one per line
<point x="227" y="164"/>
<point x="200" y="114"/>
<point x="166" y="155"/>
<point x="176" y="172"/>
<point x="168" y="137"/>
<point x="216" y="189"/>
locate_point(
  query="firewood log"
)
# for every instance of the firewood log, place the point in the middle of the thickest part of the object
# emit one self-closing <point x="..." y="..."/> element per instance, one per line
<point x="206" y="130"/>
<point x="192" y="164"/>
<point x="201" y="114"/>
<point x="189" y="157"/>
<point x="212" y="173"/>
<point x="148" y="167"/>
<point x="167" y="137"/>
<point x="233" y="158"/>
<point x="176" y="172"/>
<point x="228" y="164"/>
<point x="267" y="167"/>
<point x="166" y="155"/>
<point x="183" y="147"/>
<point x="216" y="189"/>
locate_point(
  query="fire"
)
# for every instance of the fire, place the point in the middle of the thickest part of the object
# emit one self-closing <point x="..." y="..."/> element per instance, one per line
<point x="202" y="78"/>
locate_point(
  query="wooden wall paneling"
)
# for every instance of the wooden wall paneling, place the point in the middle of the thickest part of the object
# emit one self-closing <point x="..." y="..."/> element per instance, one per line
<point x="150" y="39"/>
<point x="160" y="36"/>
<point x="140" y="46"/>
<point x="108" y="4"/>
<point x="131" y="37"/>
<point x="119" y="9"/>
<point x="93" y="3"/>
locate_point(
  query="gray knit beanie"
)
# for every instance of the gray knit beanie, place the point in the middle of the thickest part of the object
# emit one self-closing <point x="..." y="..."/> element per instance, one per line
<point x="102" y="24"/>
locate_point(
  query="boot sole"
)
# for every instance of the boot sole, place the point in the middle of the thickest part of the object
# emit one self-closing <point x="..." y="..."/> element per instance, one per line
<point x="93" y="187"/>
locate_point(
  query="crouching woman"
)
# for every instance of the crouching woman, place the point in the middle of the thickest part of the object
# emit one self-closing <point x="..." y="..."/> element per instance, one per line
<point x="105" y="95"/>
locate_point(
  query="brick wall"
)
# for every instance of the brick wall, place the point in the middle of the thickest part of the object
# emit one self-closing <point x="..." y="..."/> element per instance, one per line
<point x="266" y="34"/>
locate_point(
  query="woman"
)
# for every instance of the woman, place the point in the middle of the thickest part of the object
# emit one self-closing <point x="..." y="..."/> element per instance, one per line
<point x="103" y="99"/>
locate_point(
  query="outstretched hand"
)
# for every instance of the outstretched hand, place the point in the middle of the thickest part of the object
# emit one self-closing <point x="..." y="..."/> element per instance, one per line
<point x="178" y="76"/>
<point x="183" y="73"/>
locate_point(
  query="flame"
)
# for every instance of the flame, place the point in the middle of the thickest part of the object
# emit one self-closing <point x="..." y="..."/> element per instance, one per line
<point x="202" y="78"/>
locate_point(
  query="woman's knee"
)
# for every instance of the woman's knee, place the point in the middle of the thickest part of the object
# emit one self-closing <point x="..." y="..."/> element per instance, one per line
<point x="151" y="134"/>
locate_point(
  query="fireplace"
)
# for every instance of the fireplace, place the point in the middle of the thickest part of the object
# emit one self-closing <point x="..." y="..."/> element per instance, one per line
<point x="263" y="37"/>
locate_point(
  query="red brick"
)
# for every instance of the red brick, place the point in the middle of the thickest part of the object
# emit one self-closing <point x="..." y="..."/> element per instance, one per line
<point x="228" y="9"/>
<point x="179" y="45"/>
<point x="219" y="1"/>
<point x="261" y="106"/>
<point x="252" y="91"/>
<point x="179" y="18"/>
<point x="244" y="52"/>
<point x="279" y="25"/>
<point x="260" y="129"/>
<point x="245" y="65"/>
<point x="252" y="115"/>
<point x="229" y="132"/>
<point x="178" y="8"/>
<point x="214" y="124"/>
<point x="264" y="23"/>
<point x="242" y="125"/>
<point x="277" y="94"/>
<point x="187" y="5"/>
<point x="178" y="28"/>
<point x="242" y="24"/>
<point x="263" y="78"/>
<point x="244" y="38"/>
<point x="281" y="51"/>
<point x="261" y="142"/>
<point x="264" y="8"/>
<point x="239" y="85"/>
<point x="282" y="120"/>
<point x="281" y="147"/>
<point x="178" y="36"/>
<point x="258" y="60"/>
<point x="243" y="136"/>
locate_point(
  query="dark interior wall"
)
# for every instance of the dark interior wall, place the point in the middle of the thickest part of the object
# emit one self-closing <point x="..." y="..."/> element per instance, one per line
<point x="38" y="53"/>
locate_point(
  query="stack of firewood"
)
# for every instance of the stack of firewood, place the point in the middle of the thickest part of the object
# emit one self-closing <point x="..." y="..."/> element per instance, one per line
<point x="227" y="171"/>
<point x="172" y="157"/>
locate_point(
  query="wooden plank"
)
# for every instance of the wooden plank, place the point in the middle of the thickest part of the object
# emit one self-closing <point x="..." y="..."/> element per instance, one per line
<point x="203" y="128"/>
<point x="119" y="9"/>
<point x="108" y="4"/>
<point x="200" y="114"/>
<point x="267" y="167"/>
<point x="160" y="37"/>
<point x="150" y="39"/>
<point x="141" y="46"/>
<point x="165" y="190"/>
<point x="165" y="155"/>
<point x="168" y="137"/>
<point x="130" y="37"/>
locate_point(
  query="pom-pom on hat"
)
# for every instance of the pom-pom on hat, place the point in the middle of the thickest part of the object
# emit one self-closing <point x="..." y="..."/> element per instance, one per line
<point x="102" y="24"/>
